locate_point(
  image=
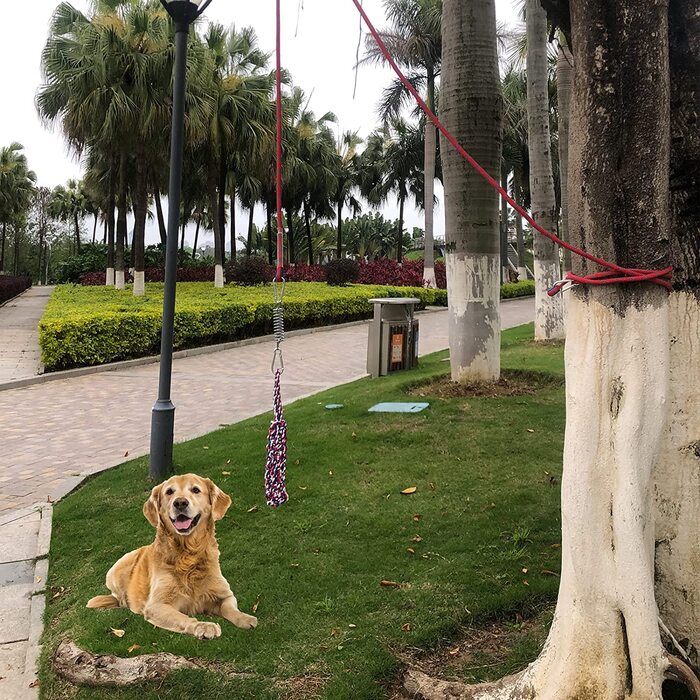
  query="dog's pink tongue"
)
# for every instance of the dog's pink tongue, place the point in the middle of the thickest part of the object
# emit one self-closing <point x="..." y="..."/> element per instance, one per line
<point x="183" y="524"/>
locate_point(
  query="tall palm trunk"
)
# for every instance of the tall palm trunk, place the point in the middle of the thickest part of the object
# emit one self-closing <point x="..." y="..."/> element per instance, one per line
<point x="104" y="230"/>
<point x="270" y="248"/>
<point x="471" y="109"/>
<point x="2" y="246"/>
<point x="399" y="235"/>
<point x="111" y="205"/>
<point x="249" y="243"/>
<point x="307" y="222"/>
<point x="517" y="195"/>
<point x="222" y="203"/>
<point x="183" y="228"/>
<point x="216" y="222"/>
<point x="339" y="246"/>
<point x="140" y="197"/>
<point x="233" y="222"/>
<point x="564" y="86"/>
<point x="290" y="238"/>
<point x="504" y="227"/>
<point x="429" y="186"/>
<point x="77" y="232"/>
<point x="119" y="281"/>
<point x="196" y="236"/>
<point x="17" y="240"/>
<point x="159" y="215"/>
<point x="549" y="311"/>
<point x="94" y="228"/>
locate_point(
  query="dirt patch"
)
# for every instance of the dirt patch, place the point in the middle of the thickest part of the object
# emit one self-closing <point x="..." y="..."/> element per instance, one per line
<point x="481" y="646"/>
<point x="511" y="383"/>
<point x="302" y="687"/>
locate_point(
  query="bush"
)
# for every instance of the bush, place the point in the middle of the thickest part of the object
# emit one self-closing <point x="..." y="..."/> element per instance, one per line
<point x="341" y="272"/>
<point x="153" y="274"/>
<point x="12" y="286"/>
<point x="511" y="290"/>
<point x="94" y="325"/>
<point x="249" y="271"/>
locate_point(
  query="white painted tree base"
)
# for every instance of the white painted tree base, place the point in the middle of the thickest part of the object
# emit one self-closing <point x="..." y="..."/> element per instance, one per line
<point x="219" y="276"/>
<point x="109" y="277"/>
<point x="604" y="643"/>
<point x="474" y="316"/>
<point x="139" y="283"/>
<point x="522" y="274"/>
<point x="429" y="277"/>
<point x="119" y="279"/>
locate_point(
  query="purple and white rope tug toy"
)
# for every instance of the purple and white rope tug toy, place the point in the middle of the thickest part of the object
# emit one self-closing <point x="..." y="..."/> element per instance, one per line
<point x="276" y="466"/>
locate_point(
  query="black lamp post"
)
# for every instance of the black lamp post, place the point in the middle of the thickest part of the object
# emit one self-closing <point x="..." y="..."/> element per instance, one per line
<point x="183" y="13"/>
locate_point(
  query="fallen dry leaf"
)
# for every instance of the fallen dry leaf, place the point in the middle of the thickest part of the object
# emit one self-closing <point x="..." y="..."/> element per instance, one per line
<point x="58" y="593"/>
<point x="556" y="545"/>
<point x="334" y="631"/>
<point x="351" y="626"/>
<point x="296" y="462"/>
<point x="118" y="633"/>
<point x="303" y="488"/>
<point x="390" y="584"/>
<point x="409" y="490"/>
<point x="432" y="486"/>
<point x="228" y="461"/>
<point x="226" y="473"/>
<point x="406" y="627"/>
<point x="256" y="605"/>
<point x="330" y="473"/>
<point x="34" y="684"/>
<point x="524" y="571"/>
<point x="417" y="517"/>
<point x="417" y="538"/>
<point x="354" y="434"/>
<point x="410" y="550"/>
<point x="525" y="583"/>
<point x="126" y="454"/>
<point x="252" y="509"/>
<point x="547" y="572"/>
<point x="294" y="566"/>
<point x="133" y="647"/>
<point x="206" y="447"/>
<point x="530" y="430"/>
<point x="454" y="652"/>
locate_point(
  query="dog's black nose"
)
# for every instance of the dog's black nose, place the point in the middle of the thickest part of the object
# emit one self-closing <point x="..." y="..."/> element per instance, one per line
<point x="181" y="503"/>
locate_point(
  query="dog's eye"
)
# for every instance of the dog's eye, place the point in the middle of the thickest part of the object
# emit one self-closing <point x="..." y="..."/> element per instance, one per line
<point x="169" y="492"/>
<point x="195" y="489"/>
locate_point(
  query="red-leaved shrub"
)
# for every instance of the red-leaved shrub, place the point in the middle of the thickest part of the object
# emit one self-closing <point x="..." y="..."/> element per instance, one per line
<point x="12" y="286"/>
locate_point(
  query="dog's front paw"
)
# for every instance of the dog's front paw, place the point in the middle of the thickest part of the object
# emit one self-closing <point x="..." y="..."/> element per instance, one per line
<point x="206" y="630"/>
<point x="247" y="622"/>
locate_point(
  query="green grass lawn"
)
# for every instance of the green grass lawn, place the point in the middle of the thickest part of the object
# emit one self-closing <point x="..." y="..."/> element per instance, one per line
<point x="486" y="507"/>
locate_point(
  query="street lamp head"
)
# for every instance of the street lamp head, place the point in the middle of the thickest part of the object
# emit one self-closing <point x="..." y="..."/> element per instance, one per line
<point x="184" y="11"/>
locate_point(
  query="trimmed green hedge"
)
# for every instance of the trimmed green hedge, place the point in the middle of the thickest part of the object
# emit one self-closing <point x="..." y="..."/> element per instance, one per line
<point x="95" y="325"/>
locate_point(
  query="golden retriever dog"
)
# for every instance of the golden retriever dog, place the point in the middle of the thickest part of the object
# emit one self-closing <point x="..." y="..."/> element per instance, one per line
<point x="178" y="576"/>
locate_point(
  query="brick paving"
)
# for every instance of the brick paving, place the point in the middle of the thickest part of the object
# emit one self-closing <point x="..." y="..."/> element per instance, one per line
<point x="19" y="338"/>
<point x="53" y="434"/>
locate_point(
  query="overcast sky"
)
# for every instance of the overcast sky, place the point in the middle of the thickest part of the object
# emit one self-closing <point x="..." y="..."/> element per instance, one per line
<point x="320" y="54"/>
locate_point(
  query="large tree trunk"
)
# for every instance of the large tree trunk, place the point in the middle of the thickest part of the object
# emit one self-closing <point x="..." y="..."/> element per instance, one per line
<point x="564" y="77"/>
<point x="121" y="223"/>
<point x="159" y="215"/>
<point x="549" y="311"/>
<point x="140" y="198"/>
<point x="111" y="205"/>
<point x="17" y="239"/>
<point x="94" y="228"/>
<point x="399" y="233"/>
<point x="677" y="477"/>
<point x="504" y="227"/>
<point x="249" y="244"/>
<point x="222" y="204"/>
<point x="429" y="185"/>
<point x="196" y="236"/>
<point x="471" y="110"/>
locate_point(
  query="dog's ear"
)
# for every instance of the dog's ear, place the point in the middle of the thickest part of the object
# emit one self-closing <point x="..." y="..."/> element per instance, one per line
<point x="220" y="501"/>
<point x="152" y="506"/>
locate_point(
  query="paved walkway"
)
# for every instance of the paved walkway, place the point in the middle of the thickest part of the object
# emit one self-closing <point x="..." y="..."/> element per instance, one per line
<point x="53" y="434"/>
<point x="19" y="336"/>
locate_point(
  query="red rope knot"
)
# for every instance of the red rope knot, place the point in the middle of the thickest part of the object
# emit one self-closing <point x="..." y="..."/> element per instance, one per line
<point x="616" y="275"/>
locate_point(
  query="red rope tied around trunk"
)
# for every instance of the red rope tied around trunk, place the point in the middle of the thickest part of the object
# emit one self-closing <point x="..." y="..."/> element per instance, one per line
<point x="614" y="273"/>
<point x="278" y="174"/>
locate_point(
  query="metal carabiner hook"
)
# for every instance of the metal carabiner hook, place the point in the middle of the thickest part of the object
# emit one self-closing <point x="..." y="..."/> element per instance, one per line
<point x="277" y="358"/>
<point x="278" y="292"/>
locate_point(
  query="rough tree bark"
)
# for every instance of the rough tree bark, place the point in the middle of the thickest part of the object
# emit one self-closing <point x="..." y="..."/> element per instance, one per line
<point x="140" y="199"/>
<point x="471" y="109"/>
<point x="549" y="311"/>
<point x="121" y="224"/>
<point x="162" y="231"/>
<point x="564" y="77"/>
<point x="111" y="205"/>
<point x="630" y="496"/>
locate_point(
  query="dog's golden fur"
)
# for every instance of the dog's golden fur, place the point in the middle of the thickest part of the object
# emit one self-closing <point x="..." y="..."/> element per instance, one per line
<point x="178" y="576"/>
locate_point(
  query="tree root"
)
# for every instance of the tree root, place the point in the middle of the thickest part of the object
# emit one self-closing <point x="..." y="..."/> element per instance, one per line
<point x="84" y="668"/>
<point x="420" y="686"/>
<point x="680" y="672"/>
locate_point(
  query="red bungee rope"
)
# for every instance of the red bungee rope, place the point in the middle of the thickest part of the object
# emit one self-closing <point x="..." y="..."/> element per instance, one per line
<point x="614" y="273"/>
<point x="278" y="175"/>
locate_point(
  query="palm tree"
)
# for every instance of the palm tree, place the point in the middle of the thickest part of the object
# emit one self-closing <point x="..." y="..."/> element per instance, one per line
<point x="564" y="86"/>
<point x="347" y="179"/>
<point x="16" y="190"/>
<point x="549" y="311"/>
<point x="471" y="108"/>
<point x="70" y="204"/>
<point x="415" y="42"/>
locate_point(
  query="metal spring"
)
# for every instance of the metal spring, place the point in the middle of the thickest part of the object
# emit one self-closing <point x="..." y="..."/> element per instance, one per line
<point x="278" y="322"/>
